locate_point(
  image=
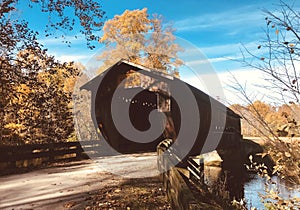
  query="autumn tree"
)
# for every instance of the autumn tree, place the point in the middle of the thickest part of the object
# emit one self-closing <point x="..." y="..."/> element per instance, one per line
<point x="15" y="35"/>
<point x="84" y="125"/>
<point x="86" y="13"/>
<point x="277" y="57"/>
<point x="136" y="37"/>
<point x="34" y="99"/>
<point x="39" y="107"/>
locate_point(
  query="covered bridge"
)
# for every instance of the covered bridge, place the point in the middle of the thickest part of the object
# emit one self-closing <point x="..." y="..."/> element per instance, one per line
<point x="144" y="90"/>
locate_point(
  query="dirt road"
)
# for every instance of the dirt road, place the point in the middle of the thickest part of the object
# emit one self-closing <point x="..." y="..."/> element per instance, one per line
<point x="54" y="188"/>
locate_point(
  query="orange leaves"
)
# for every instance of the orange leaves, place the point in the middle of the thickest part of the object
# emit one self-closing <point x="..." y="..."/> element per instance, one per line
<point x="21" y="94"/>
<point x="130" y="22"/>
<point x="24" y="89"/>
<point x="140" y="39"/>
<point x="14" y="126"/>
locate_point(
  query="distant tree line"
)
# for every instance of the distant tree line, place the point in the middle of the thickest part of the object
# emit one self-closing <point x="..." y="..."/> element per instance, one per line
<point x="263" y="119"/>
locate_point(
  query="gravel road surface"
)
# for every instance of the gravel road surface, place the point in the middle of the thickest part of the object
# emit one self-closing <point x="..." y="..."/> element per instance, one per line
<point x="53" y="188"/>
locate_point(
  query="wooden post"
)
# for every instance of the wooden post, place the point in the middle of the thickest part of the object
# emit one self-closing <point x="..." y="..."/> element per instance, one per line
<point x="201" y="169"/>
<point x="51" y="152"/>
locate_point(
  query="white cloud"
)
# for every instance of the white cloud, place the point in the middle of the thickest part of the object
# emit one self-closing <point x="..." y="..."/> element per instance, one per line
<point x="67" y="58"/>
<point x="232" y="19"/>
<point x="211" y="60"/>
<point x="218" y="53"/>
<point x="226" y="49"/>
<point x="249" y="79"/>
<point x="219" y="85"/>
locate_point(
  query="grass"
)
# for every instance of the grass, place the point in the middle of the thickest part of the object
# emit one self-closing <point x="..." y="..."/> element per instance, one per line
<point x="140" y="194"/>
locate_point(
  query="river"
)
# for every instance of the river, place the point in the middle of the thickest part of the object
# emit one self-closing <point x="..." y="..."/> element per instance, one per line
<point x="241" y="184"/>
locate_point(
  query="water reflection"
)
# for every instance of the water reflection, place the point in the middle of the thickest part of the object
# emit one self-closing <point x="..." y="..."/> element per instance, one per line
<point x="241" y="184"/>
<point x="256" y="185"/>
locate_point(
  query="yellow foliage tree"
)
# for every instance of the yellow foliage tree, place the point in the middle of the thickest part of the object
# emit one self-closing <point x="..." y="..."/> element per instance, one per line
<point x="38" y="107"/>
<point x="135" y="37"/>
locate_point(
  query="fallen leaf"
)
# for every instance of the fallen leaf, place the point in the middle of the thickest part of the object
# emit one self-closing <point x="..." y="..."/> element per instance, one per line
<point x="117" y="190"/>
<point x="287" y="154"/>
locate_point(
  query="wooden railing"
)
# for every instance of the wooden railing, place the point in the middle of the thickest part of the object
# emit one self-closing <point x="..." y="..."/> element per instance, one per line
<point x="33" y="155"/>
<point x="196" y="169"/>
<point x="174" y="178"/>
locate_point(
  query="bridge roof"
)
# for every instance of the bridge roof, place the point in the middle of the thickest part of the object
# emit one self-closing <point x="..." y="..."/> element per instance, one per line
<point x="124" y="65"/>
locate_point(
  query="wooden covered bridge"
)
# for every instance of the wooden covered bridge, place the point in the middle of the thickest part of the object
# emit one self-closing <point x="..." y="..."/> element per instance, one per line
<point x="154" y="93"/>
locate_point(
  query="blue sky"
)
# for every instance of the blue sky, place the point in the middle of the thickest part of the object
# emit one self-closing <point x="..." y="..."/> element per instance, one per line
<point x="217" y="28"/>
